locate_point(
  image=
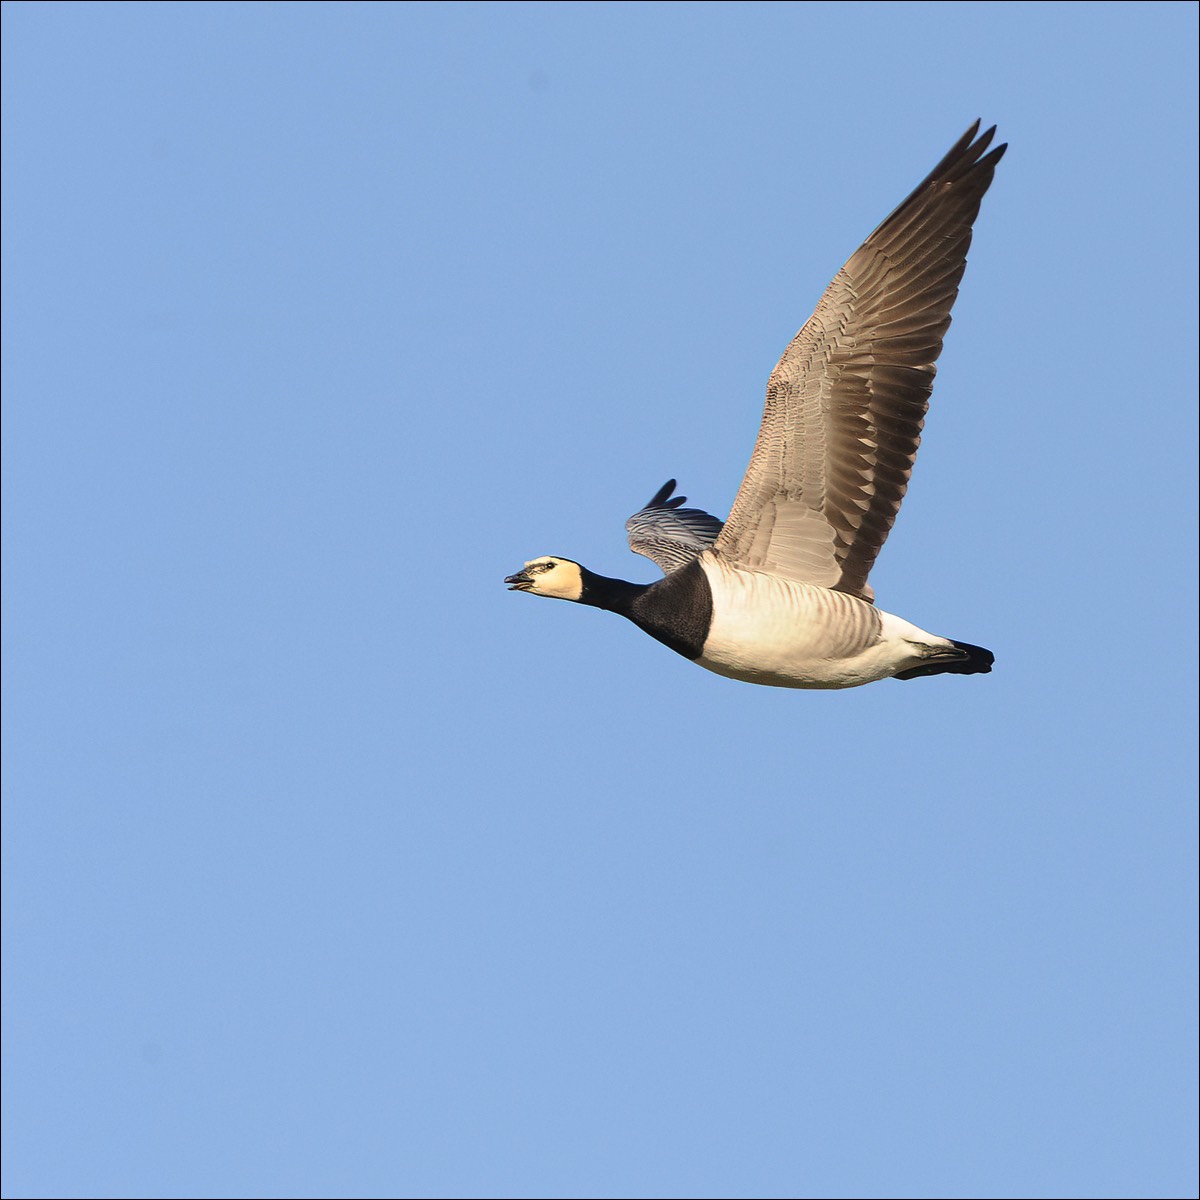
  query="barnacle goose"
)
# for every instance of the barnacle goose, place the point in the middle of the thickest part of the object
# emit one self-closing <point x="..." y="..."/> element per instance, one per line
<point x="778" y="594"/>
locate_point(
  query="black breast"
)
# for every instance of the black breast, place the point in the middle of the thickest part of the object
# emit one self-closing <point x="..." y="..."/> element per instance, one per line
<point x="677" y="610"/>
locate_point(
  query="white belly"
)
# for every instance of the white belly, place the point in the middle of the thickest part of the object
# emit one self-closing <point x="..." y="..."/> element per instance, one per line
<point x="774" y="631"/>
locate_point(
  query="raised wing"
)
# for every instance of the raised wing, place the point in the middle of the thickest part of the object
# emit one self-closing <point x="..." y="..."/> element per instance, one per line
<point x="669" y="534"/>
<point x="846" y="402"/>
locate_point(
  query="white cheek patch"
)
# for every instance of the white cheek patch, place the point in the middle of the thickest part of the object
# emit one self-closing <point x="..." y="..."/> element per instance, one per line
<point x="563" y="581"/>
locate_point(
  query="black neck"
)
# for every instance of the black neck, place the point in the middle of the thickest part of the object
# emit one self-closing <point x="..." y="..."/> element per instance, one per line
<point x="677" y="610"/>
<point x="613" y="595"/>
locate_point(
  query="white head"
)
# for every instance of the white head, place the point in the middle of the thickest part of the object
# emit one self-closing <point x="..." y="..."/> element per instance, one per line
<point x="559" y="578"/>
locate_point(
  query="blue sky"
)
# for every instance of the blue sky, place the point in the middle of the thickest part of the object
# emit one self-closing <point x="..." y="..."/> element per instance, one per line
<point x="331" y="867"/>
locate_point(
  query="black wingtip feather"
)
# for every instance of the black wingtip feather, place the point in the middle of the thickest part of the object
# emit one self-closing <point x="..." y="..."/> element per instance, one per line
<point x="965" y="166"/>
<point x="661" y="495"/>
<point x="660" y="500"/>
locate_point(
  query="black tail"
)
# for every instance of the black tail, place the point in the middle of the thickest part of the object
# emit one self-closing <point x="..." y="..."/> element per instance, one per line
<point x="970" y="660"/>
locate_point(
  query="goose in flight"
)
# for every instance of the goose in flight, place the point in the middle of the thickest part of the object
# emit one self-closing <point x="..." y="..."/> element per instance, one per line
<point x="778" y="594"/>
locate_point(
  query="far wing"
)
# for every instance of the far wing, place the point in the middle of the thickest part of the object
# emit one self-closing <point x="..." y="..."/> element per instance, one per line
<point x="846" y="403"/>
<point x="669" y="534"/>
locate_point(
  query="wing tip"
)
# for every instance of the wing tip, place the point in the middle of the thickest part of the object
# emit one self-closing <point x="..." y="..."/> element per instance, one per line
<point x="660" y="497"/>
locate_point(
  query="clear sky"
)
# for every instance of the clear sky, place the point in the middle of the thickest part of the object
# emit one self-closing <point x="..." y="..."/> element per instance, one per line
<point x="333" y="868"/>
